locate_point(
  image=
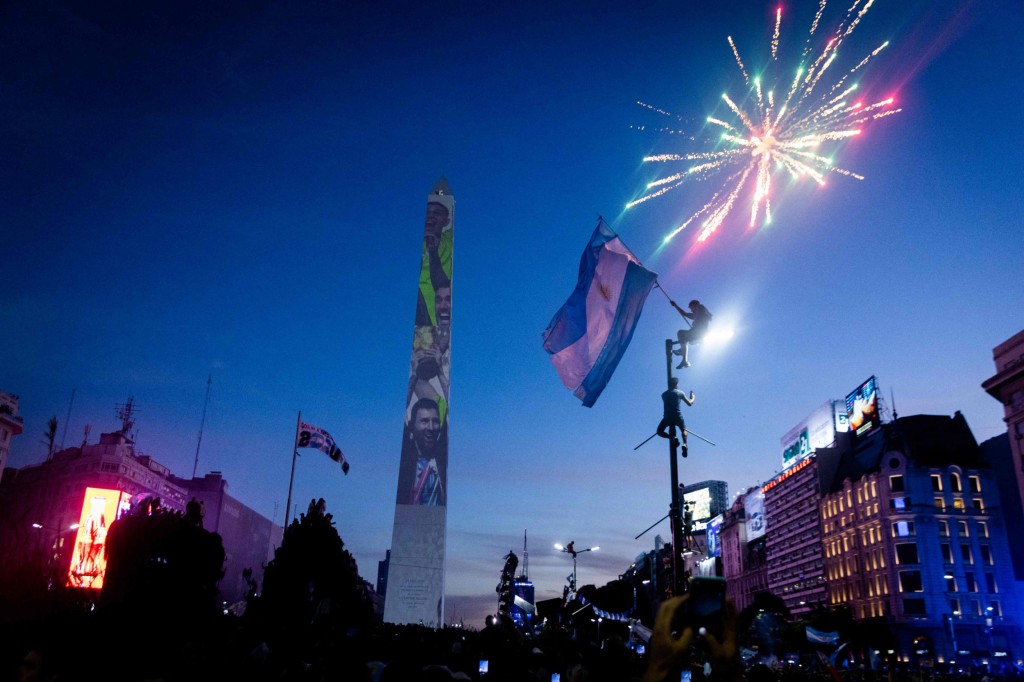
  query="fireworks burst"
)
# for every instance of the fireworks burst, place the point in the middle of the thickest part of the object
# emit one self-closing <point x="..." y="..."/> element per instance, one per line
<point x="774" y="137"/>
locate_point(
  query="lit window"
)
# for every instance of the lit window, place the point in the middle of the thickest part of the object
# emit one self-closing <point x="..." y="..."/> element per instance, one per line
<point x="958" y="503"/>
<point x="940" y="504"/>
<point x="903" y="529"/>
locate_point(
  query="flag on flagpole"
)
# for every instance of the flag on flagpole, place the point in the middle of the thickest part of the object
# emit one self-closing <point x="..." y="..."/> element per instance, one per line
<point x="589" y="334"/>
<point x="314" y="437"/>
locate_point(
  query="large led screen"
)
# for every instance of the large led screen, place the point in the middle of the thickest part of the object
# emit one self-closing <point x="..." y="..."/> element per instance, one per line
<point x="862" y="408"/>
<point x="100" y="508"/>
<point x="698" y="503"/>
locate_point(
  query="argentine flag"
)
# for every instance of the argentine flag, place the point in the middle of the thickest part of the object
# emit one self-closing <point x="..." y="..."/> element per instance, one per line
<point x="589" y="334"/>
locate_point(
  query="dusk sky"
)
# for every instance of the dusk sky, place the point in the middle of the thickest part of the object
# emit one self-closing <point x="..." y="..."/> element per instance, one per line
<point x="238" y="188"/>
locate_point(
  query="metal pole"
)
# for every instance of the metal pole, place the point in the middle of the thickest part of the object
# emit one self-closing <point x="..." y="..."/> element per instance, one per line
<point x="291" y="480"/>
<point x="202" y="423"/>
<point x="673" y="509"/>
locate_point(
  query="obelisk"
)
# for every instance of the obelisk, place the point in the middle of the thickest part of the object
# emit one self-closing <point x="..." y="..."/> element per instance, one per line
<point x="415" y="592"/>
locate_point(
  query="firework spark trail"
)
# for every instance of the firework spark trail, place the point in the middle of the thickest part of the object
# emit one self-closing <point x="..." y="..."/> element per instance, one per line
<point x="775" y="36"/>
<point x="761" y="141"/>
<point x="736" y="53"/>
<point x="814" y="26"/>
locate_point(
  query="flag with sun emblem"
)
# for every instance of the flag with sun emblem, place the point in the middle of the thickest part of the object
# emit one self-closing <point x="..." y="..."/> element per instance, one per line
<point x="589" y="334"/>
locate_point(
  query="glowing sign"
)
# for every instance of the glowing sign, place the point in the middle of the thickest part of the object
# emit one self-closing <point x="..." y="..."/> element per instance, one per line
<point x="799" y="466"/>
<point x="714" y="528"/>
<point x="817" y="431"/>
<point x="753" y="506"/>
<point x="100" y="508"/>
<point x="862" y="407"/>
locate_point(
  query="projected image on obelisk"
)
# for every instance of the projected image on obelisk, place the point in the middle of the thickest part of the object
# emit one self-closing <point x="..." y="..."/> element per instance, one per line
<point x="416" y="574"/>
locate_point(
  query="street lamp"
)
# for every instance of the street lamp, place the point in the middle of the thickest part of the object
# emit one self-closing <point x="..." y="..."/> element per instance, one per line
<point x="571" y="550"/>
<point x="55" y="547"/>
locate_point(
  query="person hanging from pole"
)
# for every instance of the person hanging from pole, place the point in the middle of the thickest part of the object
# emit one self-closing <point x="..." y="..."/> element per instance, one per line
<point x="701" y="317"/>
<point x="673" y="415"/>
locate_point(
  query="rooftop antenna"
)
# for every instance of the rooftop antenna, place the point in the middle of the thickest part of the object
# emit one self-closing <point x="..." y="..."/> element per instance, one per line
<point x="67" y="419"/>
<point x="892" y="396"/>
<point x="202" y="423"/>
<point x="126" y="413"/>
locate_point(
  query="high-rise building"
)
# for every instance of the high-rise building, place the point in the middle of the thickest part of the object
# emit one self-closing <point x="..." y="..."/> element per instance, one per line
<point x="793" y="538"/>
<point x="382" y="574"/>
<point x="415" y="591"/>
<point x="11" y="425"/>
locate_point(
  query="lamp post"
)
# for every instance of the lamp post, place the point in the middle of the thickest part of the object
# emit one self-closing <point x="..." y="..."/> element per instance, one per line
<point x="572" y="551"/>
<point x="675" y="518"/>
<point x="55" y="548"/>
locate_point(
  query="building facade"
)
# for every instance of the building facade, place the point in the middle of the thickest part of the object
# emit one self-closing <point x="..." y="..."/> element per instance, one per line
<point x="11" y="425"/>
<point x="744" y="562"/>
<point x="54" y="516"/>
<point x="794" y="553"/>
<point x="1007" y="386"/>
<point x="914" y="537"/>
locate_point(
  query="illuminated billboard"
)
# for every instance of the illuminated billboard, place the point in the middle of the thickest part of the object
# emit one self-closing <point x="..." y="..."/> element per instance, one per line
<point x="703" y="501"/>
<point x="862" y="408"/>
<point x="100" y="508"/>
<point x="816" y="431"/>
<point x="714" y="527"/>
<point x="753" y="508"/>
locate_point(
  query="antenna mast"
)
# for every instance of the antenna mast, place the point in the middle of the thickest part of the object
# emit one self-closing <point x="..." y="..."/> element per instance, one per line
<point x="202" y="423"/>
<point x="126" y="413"/>
<point x="524" y="573"/>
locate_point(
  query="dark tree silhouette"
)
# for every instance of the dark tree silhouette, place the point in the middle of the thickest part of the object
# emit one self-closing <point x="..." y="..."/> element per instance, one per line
<point x="160" y="561"/>
<point x="311" y="589"/>
<point x="50" y="436"/>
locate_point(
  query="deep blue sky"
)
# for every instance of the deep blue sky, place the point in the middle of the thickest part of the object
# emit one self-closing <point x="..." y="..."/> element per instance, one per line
<point x="191" y="187"/>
